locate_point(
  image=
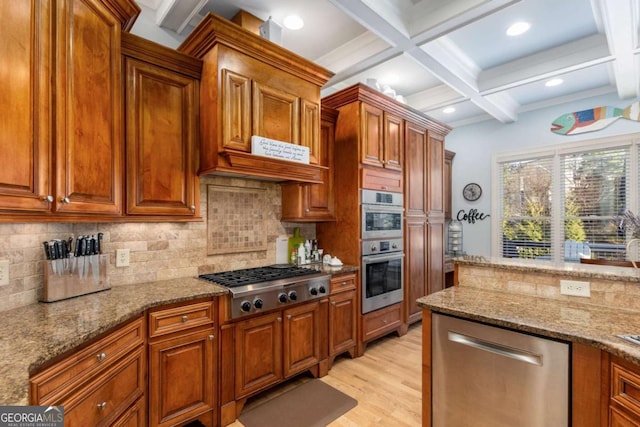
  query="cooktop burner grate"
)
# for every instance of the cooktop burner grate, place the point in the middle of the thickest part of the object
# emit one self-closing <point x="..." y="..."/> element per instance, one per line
<point x="250" y="276"/>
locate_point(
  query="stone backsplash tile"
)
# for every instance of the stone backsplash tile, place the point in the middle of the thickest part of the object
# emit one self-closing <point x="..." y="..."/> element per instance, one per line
<point x="157" y="250"/>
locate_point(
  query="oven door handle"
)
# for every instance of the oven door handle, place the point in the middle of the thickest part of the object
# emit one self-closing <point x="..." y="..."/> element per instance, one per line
<point x="382" y="257"/>
<point x="382" y="208"/>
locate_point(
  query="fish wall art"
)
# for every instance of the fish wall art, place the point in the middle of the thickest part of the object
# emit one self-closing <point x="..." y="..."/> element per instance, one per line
<point x="593" y="119"/>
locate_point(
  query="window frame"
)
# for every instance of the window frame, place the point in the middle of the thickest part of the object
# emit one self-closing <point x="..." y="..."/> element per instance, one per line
<point x="556" y="152"/>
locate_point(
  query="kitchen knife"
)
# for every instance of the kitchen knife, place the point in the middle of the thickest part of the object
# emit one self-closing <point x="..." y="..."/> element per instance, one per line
<point x="47" y="252"/>
<point x="87" y="251"/>
<point x="80" y="243"/>
<point x="99" y="243"/>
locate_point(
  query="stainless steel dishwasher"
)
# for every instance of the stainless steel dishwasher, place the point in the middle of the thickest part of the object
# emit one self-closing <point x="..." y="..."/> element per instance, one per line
<point x="486" y="376"/>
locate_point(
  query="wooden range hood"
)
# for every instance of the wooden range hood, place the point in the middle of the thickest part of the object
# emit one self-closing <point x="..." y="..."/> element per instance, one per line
<point x="251" y="86"/>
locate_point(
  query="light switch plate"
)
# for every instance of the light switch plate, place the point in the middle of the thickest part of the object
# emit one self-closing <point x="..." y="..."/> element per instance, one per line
<point x="575" y="288"/>
<point x="122" y="257"/>
<point x="4" y="272"/>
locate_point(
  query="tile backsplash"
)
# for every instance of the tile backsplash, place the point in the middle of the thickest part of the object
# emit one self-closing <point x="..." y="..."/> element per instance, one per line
<point x="157" y="250"/>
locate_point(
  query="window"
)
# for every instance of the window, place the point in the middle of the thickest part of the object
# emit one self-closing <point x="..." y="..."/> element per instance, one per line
<point x="564" y="204"/>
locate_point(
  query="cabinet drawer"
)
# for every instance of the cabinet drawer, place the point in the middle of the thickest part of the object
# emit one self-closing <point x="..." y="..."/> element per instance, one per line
<point x="381" y="179"/>
<point x="135" y="416"/>
<point x="343" y="283"/>
<point x="379" y="322"/>
<point x="107" y="397"/>
<point x="177" y="319"/>
<point x="51" y="384"/>
<point x="625" y="387"/>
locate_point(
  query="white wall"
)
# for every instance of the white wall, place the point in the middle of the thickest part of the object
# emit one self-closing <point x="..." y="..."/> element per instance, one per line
<point x="475" y="145"/>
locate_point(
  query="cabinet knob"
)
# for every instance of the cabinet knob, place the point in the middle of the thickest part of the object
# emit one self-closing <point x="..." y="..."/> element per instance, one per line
<point x="344" y="283"/>
<point x="333" y="303"/>
<point x="193" y="208"/>
<point x="384" y="187"/>
<point x="65" y="200"/>
<point x="384" y="321"/>
<point x="101" y="356"/>
<point x="102" y="405"/>
<point x="48" y="198"/>
<point x="185" y="318"/>
<point x="288" y="317"/>
<point x="212" y="337"/>
<point x="279" y="319"/>
<point x="307" y="210"/>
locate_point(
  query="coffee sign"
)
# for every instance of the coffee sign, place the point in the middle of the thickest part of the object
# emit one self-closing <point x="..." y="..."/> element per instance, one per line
<point x="472" y="216"/>
<point x="275" y="149"/>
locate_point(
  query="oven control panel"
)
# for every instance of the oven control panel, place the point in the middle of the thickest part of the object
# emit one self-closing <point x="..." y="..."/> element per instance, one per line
<point x="373" y="247"/>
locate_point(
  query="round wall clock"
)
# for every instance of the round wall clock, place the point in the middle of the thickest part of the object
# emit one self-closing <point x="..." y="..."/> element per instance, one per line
<point x="472" y="192"/>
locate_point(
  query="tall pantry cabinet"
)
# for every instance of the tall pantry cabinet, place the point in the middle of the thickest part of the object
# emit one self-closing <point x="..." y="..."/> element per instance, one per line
<point x="381" y="144"/>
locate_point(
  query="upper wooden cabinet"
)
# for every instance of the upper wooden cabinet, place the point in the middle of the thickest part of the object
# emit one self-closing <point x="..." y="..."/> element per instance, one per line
<point x="161" y="110"/>
<point x="251" y="86"/>
<point x="448" y="173"/>
<point x="382" y="138"/>
<point x="70" y="48"/>
<point x="314" y="202"/>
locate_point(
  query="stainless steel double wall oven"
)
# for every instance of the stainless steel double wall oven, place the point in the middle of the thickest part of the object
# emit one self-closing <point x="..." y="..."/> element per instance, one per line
<point x="382" y="245"/>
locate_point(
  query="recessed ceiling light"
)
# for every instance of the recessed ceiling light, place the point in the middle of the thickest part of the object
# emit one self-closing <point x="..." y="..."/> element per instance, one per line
<point x="293" y="22"/>
<point x="518" y="28"/>
<point x="554" y="82"/>
<point x="449" y="110"/>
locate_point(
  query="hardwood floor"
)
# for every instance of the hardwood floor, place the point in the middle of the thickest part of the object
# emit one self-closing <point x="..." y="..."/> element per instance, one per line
<point x="386" y="382"/>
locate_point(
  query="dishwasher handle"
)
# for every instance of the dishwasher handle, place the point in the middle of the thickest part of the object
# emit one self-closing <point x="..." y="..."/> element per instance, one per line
<point x="521" y="355"/>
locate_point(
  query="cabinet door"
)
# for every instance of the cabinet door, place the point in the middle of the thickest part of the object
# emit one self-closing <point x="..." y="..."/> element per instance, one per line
<point x="181" y="378"/>
<point x="319" y="197"/>
<point x="393" y="142"/>
<point x="258" y="353"/>
<point x="435" y="253"/>
<point x="161" y="111"/>
<point x="275" y="114"/>
<point x="25" y="130"/>
<point x="371" y="135"/>
<point x="236" y="112"/>
<point x="89" y="147"/>
<point x="448" y="171"/>
<point x="435" y="169"/>
<point x="416" y="266"/>
<point x="301" y="338"/>
<point x="135" y="416"/>
<point x="342" y="322"/>
<point x="415" y="170"/>
<point x="309" y="131"/>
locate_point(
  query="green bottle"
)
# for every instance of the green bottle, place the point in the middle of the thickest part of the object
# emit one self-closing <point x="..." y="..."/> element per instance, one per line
<point x="295" y="241"/>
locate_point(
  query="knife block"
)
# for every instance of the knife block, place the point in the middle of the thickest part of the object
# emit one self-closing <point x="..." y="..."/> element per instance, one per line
<point x="74" y="276"/>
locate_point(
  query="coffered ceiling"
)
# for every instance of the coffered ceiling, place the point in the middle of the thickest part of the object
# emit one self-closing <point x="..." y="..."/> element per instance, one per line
<point x="451" y="53"/>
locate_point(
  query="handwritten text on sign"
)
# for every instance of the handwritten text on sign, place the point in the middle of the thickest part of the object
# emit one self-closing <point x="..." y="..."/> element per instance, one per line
<point x="266" y="147"/>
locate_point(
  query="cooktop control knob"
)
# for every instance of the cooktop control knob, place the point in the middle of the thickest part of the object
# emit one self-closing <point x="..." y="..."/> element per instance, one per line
<point x="282" y="297"/>
<point x="293" y="295"/>
<point x="245" y="306"/>
<point x="322" y="289"/>
<point x="257" y="303"/>
<point x="313" y="291"/>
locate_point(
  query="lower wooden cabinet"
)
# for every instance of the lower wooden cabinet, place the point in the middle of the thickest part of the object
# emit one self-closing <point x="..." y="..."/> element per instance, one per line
<point x="99" y="384"/>
<point x="182" y="365"/>
<point x="275" y="346"/>
<point x="135" y="416"/>
<point x="624" y="393"/>
<point x="342" y="317"/>
<point x="380" y="322"/>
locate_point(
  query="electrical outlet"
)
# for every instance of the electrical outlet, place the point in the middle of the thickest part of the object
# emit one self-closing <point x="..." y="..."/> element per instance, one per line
<point x="4" y="272"/>
<point x="575" y="288"/>
<point x="122" y="257"/>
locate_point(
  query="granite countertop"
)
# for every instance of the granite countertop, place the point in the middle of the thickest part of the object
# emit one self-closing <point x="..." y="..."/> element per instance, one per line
<point x="585" y="323"/>
<point x="573" y="269"/>
<point x="32" y="335"/>
<point x="37" y="333"/>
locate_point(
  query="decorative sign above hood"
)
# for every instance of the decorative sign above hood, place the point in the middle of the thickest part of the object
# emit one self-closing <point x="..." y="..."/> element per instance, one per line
<point x="275" y="149"/>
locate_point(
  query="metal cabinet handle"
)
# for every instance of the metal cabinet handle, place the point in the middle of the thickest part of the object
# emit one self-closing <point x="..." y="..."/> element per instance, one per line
<point x="333" y="303"/>
<point x="344" y="283"/>
<point x="193" y="208"/>
<point x="288" y="317"/>
<point x="384" y="187"/>
<point x="279" y="319"/>
<point x="102" y="405"/>
<point x="48" y="198"/>
<point x="65" y="200"/>
<point x="101" y="356"/>
<point x="212" y="337"/>
<point x="384" y="321"/>
<point x="185" y="318"/>
<point x="521" y="355"/>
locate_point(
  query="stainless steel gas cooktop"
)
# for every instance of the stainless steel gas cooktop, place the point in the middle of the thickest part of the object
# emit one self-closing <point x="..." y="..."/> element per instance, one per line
<point x="265" y="288"/>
